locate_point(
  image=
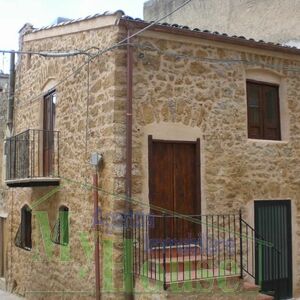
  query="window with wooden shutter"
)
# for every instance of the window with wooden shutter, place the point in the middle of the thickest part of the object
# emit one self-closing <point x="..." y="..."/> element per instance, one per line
<point x="23" y="236"/>
<point x="60" y="232"/>
<point x="263" y="111"/>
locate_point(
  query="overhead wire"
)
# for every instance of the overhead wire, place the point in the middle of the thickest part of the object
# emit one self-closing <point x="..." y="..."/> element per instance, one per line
<point x="114" y="46"/>
<point x="47" y="53"/>
<point x="184" y="56"/>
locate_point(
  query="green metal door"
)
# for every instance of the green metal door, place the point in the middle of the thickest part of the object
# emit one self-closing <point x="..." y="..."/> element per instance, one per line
<point x="273" y="268"/>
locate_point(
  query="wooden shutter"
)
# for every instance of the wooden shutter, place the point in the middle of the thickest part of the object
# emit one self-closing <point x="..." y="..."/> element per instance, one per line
<point x="28" y="242"/>
<point x="26" y="227"/>
<point x="18" y="237"/>
<point x="48" y="134"/>
<point x="64" y="225"/>
<point x="263" y="111"/>
<point x="60" y="233"/>
<point x="271" y="112"/>
<point x="255" y="111"/>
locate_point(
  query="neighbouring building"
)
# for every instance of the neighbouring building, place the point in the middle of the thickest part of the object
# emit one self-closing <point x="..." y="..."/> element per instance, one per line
<point x="199" y="183"/>
<point x="3" y="198"/>
<point x="249" y="18"/>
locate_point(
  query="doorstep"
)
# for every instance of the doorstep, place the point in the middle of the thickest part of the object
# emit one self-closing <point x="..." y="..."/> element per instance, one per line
<point x="2" y="284"/>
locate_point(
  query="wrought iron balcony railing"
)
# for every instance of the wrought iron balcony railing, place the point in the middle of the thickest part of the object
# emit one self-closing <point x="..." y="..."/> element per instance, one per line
<point x="32" y="158"/>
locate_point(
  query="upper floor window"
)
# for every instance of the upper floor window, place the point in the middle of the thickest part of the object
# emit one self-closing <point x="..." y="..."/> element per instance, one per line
<point x="263" y="111"/>
<point x="23" y="236"/>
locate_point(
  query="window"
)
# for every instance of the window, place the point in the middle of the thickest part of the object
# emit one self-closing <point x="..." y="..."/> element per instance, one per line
<point x="60" y="233"/>
<point x="23" y="236"/>
<point x="263" y="111"/>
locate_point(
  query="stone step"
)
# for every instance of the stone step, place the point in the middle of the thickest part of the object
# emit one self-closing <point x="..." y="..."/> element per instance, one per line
<point x="182" y="263"/>
<point x="181" y="276"/>
<point x="213" y="283"/>
<point x="176" y="251"/>
<point x="216" y="284"/>
<point x="264" y="297"/>
<point x="2" y="284"/>
<point x="248" y="286"/>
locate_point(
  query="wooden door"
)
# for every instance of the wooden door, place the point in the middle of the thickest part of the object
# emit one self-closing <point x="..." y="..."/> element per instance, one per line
<point x="174" y="187"/>
<point x="273" y="222"/>
<point x="48" y="134"/>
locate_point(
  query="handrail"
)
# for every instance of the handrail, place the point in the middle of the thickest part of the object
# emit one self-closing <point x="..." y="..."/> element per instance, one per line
<point x="191" y="219"/>
<point x="160" y="256"/>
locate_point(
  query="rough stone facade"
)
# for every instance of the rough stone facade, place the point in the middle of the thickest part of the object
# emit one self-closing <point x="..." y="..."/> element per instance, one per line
<point x="88" y="116"/>
<point x="275" y="21"/>
<point x="188" y="98"/>
<point x="184" y="88"/>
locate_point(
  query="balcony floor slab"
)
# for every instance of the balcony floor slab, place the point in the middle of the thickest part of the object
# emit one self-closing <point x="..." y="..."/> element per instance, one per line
<point x="32" y="182"/>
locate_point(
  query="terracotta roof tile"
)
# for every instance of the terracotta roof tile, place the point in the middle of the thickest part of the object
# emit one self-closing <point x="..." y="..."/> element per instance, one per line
<point x="174" y="26"/>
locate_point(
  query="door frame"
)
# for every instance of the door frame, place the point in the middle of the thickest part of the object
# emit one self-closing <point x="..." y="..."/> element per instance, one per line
<point x="290" y="250"/>
<point x="198" y="164"/>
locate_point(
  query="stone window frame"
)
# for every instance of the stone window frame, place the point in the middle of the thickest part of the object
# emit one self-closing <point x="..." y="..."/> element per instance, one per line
<point x="273" y="78"/>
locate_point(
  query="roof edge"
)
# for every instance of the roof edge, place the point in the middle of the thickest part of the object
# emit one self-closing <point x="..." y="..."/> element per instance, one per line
<point x="75" y="26"/>
<point x="211" y="36"/>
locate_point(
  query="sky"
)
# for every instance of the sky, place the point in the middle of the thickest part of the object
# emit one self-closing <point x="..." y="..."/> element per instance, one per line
<point x="15" y="13"/>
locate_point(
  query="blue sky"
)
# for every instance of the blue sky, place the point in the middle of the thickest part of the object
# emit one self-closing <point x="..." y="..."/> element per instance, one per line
<point x="15" y="13"/>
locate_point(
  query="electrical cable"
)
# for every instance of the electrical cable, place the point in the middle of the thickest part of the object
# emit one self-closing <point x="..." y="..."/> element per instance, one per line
<point x="47" y="54"/>
<point x="207" y="59"/>
<point x="118" y="44"/>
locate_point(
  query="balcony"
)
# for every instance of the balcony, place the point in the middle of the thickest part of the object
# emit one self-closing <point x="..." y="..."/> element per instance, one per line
<point x="32" y="159"/>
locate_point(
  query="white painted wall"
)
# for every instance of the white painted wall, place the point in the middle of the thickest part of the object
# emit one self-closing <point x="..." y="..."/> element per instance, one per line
<point x="270" y="20"/>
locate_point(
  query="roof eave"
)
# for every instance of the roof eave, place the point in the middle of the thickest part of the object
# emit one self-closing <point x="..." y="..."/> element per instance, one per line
<point x="213" y="37"/>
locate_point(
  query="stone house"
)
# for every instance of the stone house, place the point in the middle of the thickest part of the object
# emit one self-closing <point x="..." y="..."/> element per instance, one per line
<point x="249" y="18"/>
<point x="193" y="127"/>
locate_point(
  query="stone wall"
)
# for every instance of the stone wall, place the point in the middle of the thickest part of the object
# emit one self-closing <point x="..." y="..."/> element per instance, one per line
<point x="184" y="89"/>
<point x="270" y="20"/>
<point x="88" y="118"/>
<point x="181" y="93"/>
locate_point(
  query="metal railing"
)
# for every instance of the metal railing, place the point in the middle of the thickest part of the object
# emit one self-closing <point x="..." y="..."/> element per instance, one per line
<point x="32" y="153"/>
<point x="194" y="247"/>
<point x="175" y="249"/>
<point x="260" y="259"/>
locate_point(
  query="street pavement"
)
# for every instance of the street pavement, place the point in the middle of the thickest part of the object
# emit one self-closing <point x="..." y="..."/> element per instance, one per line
<point x="7" y="296"/>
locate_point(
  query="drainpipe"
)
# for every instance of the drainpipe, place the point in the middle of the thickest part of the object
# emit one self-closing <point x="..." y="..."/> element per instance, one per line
<point x="95" y="161"/>
<point x="97" y="240"/>
<point x="128" y="175"/>
<point x="11" y="93"/>
<point x="128" y="184"/>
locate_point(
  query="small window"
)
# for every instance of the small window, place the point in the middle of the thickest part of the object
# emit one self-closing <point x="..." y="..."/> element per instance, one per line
<point x="263" y="111"/>
<point x="60" y="233"/>
<point x="23" y="236"/>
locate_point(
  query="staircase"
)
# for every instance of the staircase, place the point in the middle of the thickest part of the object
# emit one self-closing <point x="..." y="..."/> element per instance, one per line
<point x="219" y="258"/>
